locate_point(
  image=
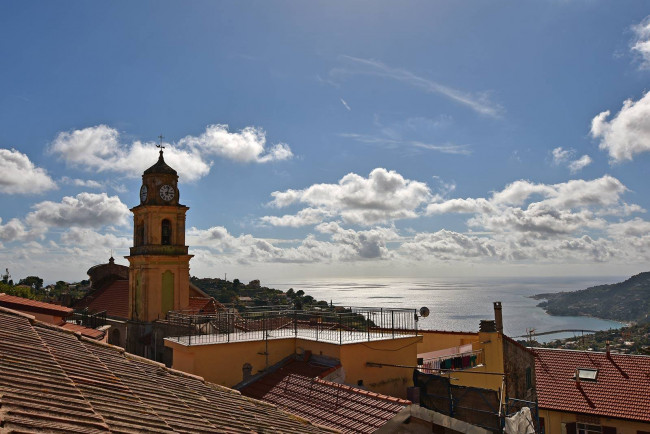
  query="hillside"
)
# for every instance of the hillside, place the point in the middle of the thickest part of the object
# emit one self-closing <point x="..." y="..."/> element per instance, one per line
<point x="624" y="301"/>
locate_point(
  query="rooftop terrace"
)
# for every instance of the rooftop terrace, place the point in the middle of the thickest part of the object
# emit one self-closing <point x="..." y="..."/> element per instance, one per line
<point x="344" y="327"/>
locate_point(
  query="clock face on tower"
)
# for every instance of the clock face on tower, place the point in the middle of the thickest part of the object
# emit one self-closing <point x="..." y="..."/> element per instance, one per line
<point x="167" y="192"/>
<point x="143" y="193"/>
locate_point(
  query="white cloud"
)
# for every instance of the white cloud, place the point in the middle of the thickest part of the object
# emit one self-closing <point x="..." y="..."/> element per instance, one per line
<point x="479" y="103"/>
<point x="383" y="196"/>
<point x="84" y="210"/>
<point x="641" y="42"/>
<point x="566" y="157"/>
<point x="81" y="237"/>
<point x="447" y="148"/>
<point x="580" y="163"/>
<point x="15" y="230"/>
<point x="345" y="104"/>
<point x="99" y="149"/>
<point x="449" y="245"/>
<point x="627" y="133"/>
<point x="18" y="175"/>
<point x="89" y="183"/>
<point x="304" y="217"/>
<point x="370" y="244"/>
<point x="542" y="210"/>
<point x="246" y="146"/>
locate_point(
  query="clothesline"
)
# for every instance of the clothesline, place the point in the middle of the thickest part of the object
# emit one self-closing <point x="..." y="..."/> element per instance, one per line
<point x="451" y="362"/>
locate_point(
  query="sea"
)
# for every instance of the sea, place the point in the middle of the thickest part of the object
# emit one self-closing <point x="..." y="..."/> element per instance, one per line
<point x="459" y="304"/>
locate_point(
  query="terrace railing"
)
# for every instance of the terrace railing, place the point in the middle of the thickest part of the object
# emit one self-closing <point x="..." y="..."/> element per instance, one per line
<point x="88" y="319"/>
<point x="350" y="325"/>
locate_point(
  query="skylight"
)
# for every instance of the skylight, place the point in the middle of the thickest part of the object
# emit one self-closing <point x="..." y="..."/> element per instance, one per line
<point x="587" y="374"/>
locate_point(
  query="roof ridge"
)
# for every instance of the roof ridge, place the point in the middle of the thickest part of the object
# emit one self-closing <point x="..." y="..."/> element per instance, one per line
<point x="535" y="349"/>
<point x="18" y="313"/>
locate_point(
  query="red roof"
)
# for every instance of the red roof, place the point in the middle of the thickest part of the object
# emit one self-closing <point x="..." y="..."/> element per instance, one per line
<point x="55" y="381"/>
<point x="85" y="331"/>
<point x="114" y="299"/>
<point x="621" y="389"/>
<point x="27" y="305"/>
<point x="297" y="389"/>
<point x="202" y="305"/>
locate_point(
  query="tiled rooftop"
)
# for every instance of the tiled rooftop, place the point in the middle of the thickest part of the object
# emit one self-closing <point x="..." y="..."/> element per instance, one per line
<point x="113" y="298"/>
<point x="621" y="389"/>
<point x="25" y="304"/>
<point x="202" y="305"/>
<point x="296" y="388"/>
<point x="56" y="381"/>
<point x="85" y="331"/>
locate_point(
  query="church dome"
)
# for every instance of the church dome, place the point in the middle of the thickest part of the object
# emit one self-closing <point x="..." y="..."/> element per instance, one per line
<point x="160" y="167"/>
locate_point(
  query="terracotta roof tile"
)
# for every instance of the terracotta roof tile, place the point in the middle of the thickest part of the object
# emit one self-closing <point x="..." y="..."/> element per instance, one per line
<point x="54" y="380"/>
<point x="84" y="331"/>
<point x="202" y="305"/>
<point x="621" y="388"/>
<point x="27" y="305"/>
<point x="297" y="389"/>
<point x="114" y="299"/>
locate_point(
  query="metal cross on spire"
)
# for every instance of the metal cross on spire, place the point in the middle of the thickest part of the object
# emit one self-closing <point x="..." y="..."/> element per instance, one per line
<point x="160" y="146"/>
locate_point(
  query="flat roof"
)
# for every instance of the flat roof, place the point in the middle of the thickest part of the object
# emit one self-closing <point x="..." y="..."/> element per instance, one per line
<point x="311" y="334"/>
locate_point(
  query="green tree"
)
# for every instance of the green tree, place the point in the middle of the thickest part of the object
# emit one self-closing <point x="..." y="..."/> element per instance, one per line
<point x="34" y="282"/>
<point x="291" y="293"/>
<point x="15" y="291"/>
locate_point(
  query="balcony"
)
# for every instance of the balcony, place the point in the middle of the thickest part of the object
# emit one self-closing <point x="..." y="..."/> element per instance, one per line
<point x="158" y="249"/>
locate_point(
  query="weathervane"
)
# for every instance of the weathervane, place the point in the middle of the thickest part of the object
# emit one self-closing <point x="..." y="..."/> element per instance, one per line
<point x="160" y="146"/>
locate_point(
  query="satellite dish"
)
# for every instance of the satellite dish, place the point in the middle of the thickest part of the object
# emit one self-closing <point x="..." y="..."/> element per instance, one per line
<point x="424" y="311"/>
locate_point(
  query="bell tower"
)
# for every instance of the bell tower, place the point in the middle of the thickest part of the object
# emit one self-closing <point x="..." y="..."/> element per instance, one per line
<point x="159" y="263"/>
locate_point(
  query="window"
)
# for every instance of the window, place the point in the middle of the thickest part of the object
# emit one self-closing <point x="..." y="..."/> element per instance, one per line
<point x="529" y="378"/>
<point x="247" y="371"/>
<point x="584" y="428"/>
<point x="166" y="232"/>
<point x="139" y="234"/>
<point x="587" y="374"/>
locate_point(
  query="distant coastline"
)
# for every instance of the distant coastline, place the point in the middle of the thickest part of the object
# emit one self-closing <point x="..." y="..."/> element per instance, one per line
<point x="627" y="302"/>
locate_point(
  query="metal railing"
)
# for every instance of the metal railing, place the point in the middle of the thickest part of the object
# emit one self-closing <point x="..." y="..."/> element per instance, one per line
<point x="349" y="325"/>
<point x="88" y="319"/>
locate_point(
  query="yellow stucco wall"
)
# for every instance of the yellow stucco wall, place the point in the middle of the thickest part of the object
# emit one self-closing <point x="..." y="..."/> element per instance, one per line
<point x="222" y="363"/>
<point x="147" y="271"/>
<point x="439" y="340"/>
<point x="491" y="344"/>
<point x="391" y="381"/>
<point x="553" y="422"/>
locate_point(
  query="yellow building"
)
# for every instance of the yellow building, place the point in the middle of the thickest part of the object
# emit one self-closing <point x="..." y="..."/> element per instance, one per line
<point x="497" y="362"/>
<point x="159" y="270"/>
<point x="228" y="348"/>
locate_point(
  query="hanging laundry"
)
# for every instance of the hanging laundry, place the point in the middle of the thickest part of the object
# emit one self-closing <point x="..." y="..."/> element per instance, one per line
<point x="520" y="422"/>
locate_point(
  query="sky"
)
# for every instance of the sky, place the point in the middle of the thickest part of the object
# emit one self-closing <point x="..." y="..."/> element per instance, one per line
<point x="330" y="138"/>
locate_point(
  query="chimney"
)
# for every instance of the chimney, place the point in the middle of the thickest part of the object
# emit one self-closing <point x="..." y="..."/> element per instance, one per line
<point x="498" y="318"/>
<point x="577" y="376"/>
<point x="607" y="348"/>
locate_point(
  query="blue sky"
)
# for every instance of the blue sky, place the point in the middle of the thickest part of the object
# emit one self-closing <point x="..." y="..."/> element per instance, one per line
<point x="331" y="138"/>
